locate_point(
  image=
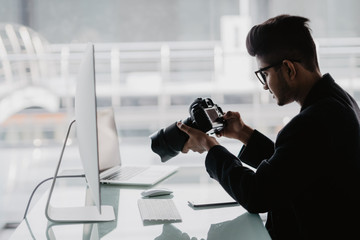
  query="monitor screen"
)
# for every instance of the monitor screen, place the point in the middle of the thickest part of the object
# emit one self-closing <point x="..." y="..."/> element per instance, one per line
<point x="87" y="135"/>
<point x="86" y="122"/>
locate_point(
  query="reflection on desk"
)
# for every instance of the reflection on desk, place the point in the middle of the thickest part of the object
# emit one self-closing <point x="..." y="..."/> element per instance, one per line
<point x="93" y="231"/>
<point x="241" y="226"/>
<point x="232" y="222"/>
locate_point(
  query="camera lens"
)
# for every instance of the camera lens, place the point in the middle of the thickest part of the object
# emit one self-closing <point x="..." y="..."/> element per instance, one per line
<point x="168" y="142"/>
<point x="204" y="115"/>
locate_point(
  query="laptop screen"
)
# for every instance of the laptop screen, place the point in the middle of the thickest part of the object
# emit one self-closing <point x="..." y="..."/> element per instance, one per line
<point x="109" y="152"/>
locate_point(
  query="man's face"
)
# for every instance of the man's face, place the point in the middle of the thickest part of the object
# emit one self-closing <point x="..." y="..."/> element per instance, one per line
<point x="276" y="82"/>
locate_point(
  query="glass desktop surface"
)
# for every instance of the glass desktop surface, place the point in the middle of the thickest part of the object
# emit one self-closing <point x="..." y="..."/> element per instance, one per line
<point x="188" y="183"/>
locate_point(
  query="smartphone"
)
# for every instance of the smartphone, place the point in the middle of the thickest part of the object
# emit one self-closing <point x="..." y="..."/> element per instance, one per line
<point x="197" y="203"/>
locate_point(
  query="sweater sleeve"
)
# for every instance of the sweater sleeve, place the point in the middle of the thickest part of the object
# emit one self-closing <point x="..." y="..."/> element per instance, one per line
<point x="257" y="149"/>
<point x="238" y="181"/>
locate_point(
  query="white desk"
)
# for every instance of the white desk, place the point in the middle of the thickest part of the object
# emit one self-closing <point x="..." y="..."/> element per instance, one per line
<point x="231" y="222"/>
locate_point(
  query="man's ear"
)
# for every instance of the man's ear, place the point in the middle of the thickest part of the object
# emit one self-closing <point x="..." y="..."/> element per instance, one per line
<point x="290" y="69"/>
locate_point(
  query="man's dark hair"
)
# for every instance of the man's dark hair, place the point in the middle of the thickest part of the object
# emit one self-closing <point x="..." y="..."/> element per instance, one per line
<point x="283" y="37"/>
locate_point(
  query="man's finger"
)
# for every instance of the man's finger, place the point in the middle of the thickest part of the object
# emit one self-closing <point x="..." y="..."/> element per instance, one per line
<point x="185" y="150"/>
<point x="183" y="127"/>
<point x="228" y="115"/>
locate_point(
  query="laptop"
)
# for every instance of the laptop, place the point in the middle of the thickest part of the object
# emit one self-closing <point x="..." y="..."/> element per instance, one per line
<point x="111" y="169"/>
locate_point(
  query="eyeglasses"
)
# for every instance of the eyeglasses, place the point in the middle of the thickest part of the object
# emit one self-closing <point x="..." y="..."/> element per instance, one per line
<point x="261" y="76"/>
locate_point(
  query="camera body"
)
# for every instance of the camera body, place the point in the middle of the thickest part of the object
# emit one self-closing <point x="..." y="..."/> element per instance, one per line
<point x="204" y="115"/>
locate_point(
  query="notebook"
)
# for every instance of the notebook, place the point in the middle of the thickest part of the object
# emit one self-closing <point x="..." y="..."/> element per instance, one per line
<point x="111" y="169"/>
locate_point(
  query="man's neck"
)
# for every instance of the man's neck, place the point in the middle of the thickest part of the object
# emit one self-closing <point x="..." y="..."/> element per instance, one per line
<point x="308" y="81"/>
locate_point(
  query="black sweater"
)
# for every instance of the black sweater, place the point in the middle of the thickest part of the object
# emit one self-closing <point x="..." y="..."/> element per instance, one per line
<point x="309" y="179"/>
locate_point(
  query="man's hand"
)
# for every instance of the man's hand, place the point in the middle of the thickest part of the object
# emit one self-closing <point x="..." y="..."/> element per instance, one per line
<point x="235" y="128"/>
<point x="198" y="141"/>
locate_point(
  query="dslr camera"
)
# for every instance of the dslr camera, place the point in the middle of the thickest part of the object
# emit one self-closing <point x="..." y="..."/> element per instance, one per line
<point x="204" y="115"/>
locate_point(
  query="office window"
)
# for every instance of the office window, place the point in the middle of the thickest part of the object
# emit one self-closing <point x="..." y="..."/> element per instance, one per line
<point x="240" y="98"/>
<point x="139" y="101"/>
<point x="159" y="53"/>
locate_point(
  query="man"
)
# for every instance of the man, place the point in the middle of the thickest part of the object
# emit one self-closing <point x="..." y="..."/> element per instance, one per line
<point x="309" y="179"/>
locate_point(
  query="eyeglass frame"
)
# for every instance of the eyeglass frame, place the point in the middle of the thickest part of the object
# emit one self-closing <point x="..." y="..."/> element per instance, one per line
<point x="262" y="77"/>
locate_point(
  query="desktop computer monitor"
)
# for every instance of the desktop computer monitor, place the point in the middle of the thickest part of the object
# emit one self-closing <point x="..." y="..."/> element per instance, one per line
<point x="87" y="135"/>
<point x="86" y="123"/>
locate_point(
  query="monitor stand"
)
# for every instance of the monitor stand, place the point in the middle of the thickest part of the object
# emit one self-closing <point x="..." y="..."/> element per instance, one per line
<point x="81" y="214"/>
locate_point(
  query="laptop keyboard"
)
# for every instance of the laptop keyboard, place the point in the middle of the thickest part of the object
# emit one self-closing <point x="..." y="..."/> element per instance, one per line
<point x="125" y="173"/>
<point x="162" y="210"/>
